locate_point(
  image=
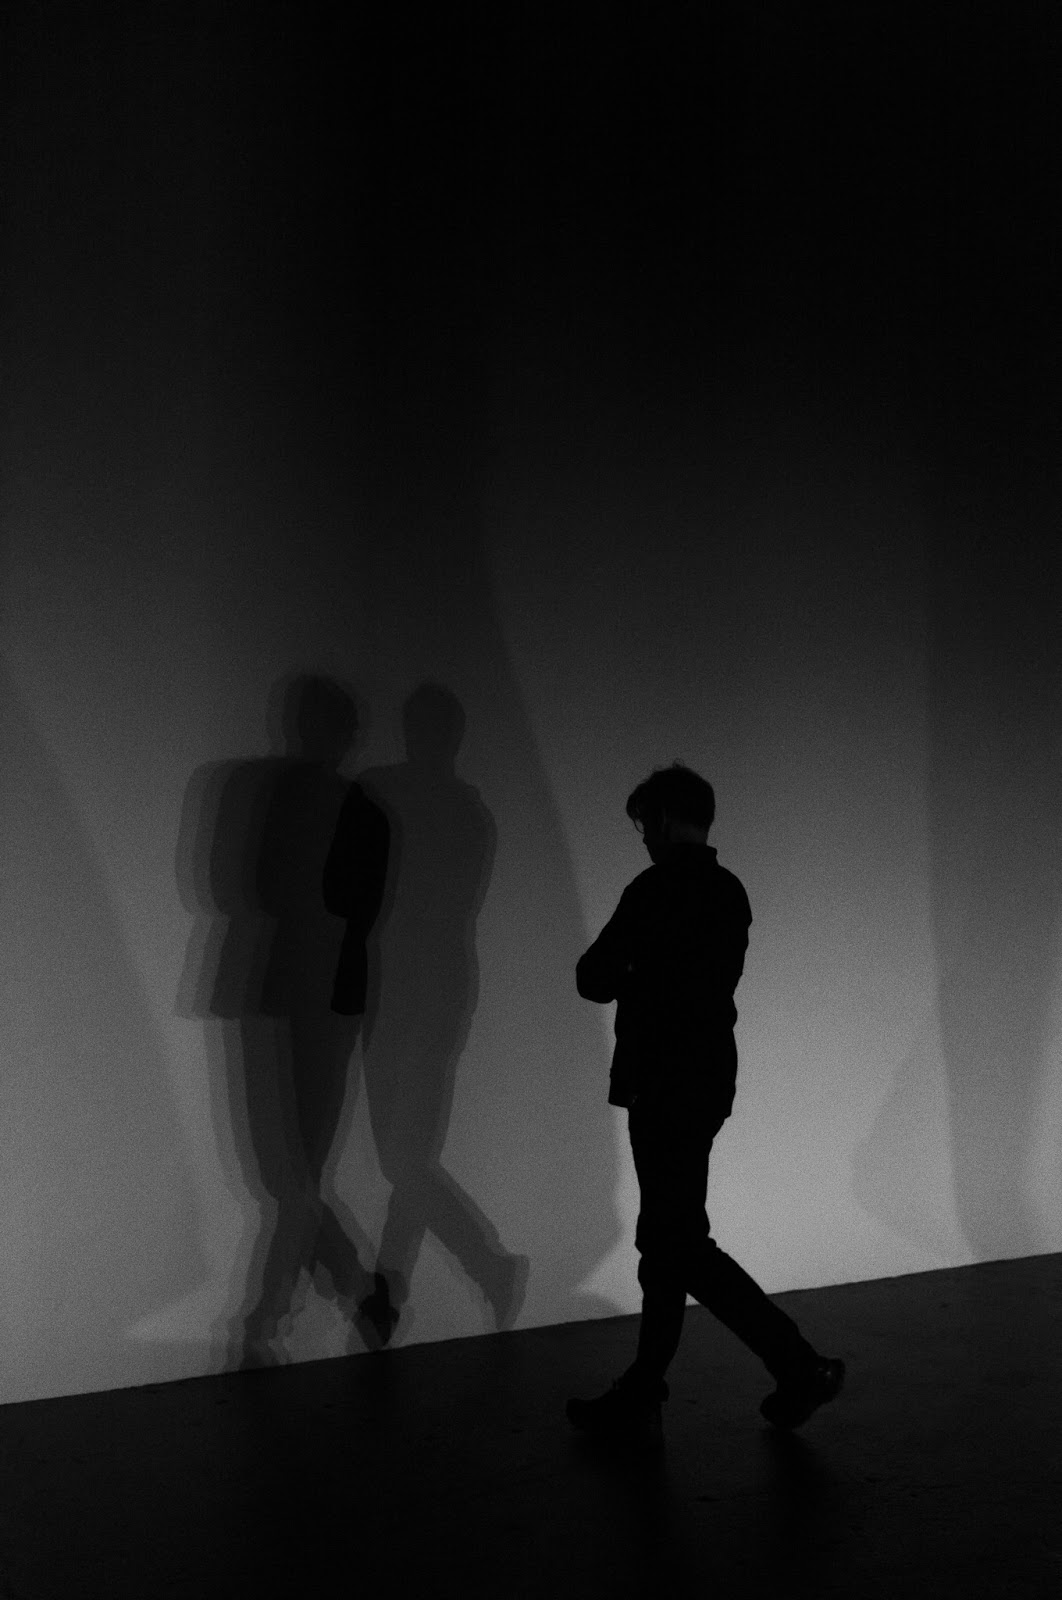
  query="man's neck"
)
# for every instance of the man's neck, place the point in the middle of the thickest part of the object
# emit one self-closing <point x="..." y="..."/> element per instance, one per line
<point x="685" y="833"/>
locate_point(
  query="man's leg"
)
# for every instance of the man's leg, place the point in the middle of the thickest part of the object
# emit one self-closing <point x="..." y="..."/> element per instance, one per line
<point x="725" y="1288"/>
<point x="670" y="1150"/>
<point x="632" y="1405"/>
<point x="805" y="1380"/>
<point x="671" y="1147"/>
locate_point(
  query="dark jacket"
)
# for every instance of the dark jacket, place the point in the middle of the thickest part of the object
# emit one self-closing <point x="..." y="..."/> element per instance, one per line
<point x="353" y="886"/>
<point x="671" y="955"/>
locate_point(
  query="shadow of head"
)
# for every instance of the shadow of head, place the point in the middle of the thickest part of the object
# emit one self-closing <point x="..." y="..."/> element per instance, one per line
<point x="253" y="833"/>
<point x="314" y="718"/>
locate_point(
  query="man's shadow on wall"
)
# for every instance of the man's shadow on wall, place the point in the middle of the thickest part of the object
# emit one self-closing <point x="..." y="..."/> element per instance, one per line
<point x="260" y="840"/>
<point x="423" y="988"/>
<point x="260" y="971"/>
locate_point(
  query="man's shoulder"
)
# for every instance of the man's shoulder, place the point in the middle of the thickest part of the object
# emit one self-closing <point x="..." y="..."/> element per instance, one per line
<point x="645" y="884"/>
<point x="731" y="886"/>
<point x="723" y="887"/>
<point x="729" y="878"/>
<point x="663" y="880"/>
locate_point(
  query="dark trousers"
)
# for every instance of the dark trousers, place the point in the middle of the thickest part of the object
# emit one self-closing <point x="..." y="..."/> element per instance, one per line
<point x="671" y="1141"/>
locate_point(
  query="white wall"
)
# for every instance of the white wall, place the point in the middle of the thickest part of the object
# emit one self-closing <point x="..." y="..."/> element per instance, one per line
<point x="502" y="476"/>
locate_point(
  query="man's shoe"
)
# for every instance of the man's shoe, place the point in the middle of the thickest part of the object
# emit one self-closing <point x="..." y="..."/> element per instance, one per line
<point x="626" y="1411"/>
<point x="797" y="1397"/>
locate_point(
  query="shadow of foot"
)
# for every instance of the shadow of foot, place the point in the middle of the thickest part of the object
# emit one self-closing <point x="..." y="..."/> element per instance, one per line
<point x="506" y="1288"/>
<point x="376" y="1317"/>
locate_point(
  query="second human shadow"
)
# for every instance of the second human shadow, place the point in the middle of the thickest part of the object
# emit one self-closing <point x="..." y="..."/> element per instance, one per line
<point x="422" y="991"/>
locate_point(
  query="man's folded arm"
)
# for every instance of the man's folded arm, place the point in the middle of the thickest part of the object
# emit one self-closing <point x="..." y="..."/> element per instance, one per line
<point x="599" y="974"/>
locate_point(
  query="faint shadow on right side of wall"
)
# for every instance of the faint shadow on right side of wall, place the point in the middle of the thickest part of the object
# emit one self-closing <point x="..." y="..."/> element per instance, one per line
<point x="957" y="1136"/>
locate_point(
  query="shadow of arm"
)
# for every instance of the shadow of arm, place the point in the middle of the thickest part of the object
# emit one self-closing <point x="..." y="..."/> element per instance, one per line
<point x="355" y="871"/>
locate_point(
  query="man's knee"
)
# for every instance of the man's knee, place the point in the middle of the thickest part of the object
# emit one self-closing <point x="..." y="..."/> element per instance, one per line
<point x="661" y="1271"/>
<point x="672" y="1250"/>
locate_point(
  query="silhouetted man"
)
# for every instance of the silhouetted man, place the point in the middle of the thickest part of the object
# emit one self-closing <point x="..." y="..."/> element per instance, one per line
<point x="672" y="955"/>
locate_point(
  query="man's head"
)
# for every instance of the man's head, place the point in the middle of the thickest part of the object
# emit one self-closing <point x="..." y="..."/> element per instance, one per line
<point x="673" y="806"/>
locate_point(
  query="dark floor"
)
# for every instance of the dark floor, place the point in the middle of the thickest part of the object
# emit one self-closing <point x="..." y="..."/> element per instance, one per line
<point x="448" y="1469"/>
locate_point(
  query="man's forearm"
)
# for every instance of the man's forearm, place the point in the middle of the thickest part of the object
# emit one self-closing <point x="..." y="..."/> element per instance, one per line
<point x="600" y="973"/>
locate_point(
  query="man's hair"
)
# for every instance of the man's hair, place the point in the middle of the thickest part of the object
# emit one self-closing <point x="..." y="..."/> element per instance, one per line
<point x="679" y="791"/>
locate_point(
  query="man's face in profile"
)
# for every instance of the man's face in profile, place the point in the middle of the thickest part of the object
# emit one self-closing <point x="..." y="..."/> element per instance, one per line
<point x="654" y="832"/>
